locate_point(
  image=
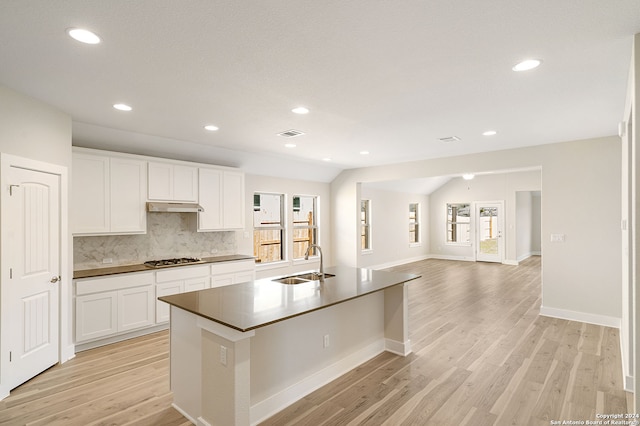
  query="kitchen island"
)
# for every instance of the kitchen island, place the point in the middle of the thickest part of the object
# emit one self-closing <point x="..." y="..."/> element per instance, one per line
<point x="241" y="353"/>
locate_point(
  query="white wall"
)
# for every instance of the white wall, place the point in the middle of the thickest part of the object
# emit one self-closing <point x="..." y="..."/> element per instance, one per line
<point x="490" y="187"/>
<point x="390" y="228"/>
<point x="580" y="277"/>
<point x="289" y="187"/>
<point x="528" y="222"/>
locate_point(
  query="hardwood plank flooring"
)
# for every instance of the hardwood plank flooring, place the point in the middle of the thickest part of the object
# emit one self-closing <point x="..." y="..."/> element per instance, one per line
<point x="481" y="356"/>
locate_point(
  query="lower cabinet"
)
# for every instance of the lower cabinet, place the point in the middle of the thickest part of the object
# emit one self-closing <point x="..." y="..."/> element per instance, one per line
<point x="112" y="306"/>
<point x="107" y="306"/>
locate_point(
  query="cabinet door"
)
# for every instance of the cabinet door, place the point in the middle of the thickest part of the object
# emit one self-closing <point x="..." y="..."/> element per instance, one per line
<point x="185" y="183"/>
<point x="166" y="289"/>
<point x="160" y="181"/>
<point x="222" y="280"/>
<point x="90" y="194"/>
<point x="244" y="276"/>
<point x="233" y="200"/>
<point x="96" y="316"/>
<point x="136" y="308"/>
<point x="210" y="198"/>
<point x="196" y="284"/>
<point x="128" y="188"/>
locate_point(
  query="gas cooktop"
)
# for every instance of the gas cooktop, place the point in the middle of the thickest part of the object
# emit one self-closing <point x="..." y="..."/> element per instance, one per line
<point x="179" y="261"/>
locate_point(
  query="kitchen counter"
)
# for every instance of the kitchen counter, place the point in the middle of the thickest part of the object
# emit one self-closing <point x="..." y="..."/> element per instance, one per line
<point x="112" y="270"/>
<point x="254" y="304"/>
<point x="243" y="352"/>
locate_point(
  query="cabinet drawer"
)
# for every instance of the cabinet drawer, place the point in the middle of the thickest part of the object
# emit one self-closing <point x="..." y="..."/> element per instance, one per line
<point x="182" y="273"/>
<point x="114" y="282"/>
<point x="230" y="267"/>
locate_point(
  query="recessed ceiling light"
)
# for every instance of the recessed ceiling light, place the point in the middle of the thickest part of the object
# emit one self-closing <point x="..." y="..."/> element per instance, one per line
<point x="364" y="153"/>
<point x="489" y="133"/>
<point x="211" y="127"/>
<point x="300" y="110"/>
<point x="290" y="145"/>
<point x="326" y="159"/>
<point x="122" y="107"/>
<point x="527" y="65"/>
<point x="468" y="176"/>
<point x="83" y="36"/>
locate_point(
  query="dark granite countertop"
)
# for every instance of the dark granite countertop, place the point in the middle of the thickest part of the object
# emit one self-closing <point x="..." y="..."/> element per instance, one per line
<point x="255" y="304"/>
<point x="112" y="270"/>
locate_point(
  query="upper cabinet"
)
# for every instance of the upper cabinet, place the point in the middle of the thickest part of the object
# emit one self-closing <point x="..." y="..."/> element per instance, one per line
<point x="173" y="182"/>
<point x="221" y="194"/>
<point x="108" y="195"/>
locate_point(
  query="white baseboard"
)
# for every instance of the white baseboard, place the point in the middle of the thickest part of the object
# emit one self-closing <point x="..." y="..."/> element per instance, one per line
<point x="268" y="407"/>
<point x="119" y="338"/>
<point x="188" y="417"/>
<point x="510" y="262"/>
<point x="596" y="319"/>
<point x="398" y="348"/>
<point x="449" y="257"/>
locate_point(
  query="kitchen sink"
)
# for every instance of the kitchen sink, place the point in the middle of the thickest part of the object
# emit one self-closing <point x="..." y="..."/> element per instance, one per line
<point x="302" y="278"/>
<point x="291" y="280"/>
<point x="313" y="276"/>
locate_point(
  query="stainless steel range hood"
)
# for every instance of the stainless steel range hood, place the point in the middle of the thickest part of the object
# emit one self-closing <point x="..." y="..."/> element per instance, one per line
<point x="161" y="207"/>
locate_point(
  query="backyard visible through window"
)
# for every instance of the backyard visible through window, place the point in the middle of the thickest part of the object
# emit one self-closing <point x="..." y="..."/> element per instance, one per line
<point x="365" y="224"/>
<point x="414" y="225"/>
<point x="268" y="227"/>
<point x="305" y="224"/>
<point x="459" y="223"/>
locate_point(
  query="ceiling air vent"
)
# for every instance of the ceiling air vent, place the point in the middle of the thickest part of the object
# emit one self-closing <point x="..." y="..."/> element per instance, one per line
<point x="291" y="133"/>
<point x="450" y="139"/>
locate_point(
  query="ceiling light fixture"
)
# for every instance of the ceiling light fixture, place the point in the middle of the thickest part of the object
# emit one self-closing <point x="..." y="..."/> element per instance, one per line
<point x="211" y="127"/>
<point x="527" y="65"/>
<point x="489" y="133"/>
<point x="468" y="176"/>
<point x="300" y="110"/>
<point x="326" y="159"/>
<point x="290" y="145"/>
<point x="364" y="152"/>
<point x="122" y="107"/>
<point x="83" y="36"/>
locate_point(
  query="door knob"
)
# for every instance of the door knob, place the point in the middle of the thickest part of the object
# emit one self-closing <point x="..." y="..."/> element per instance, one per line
<point x="55" y="280"/>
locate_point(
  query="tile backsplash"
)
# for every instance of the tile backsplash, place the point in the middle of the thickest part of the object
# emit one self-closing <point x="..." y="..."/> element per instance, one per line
<point x="168" y="235"/>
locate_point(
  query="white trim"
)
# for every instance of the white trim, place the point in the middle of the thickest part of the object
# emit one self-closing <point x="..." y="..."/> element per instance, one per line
<point x="398" y="348"/>
<point x="275" y="403"/>
<point x="449" y="257"/>
<point x="528" y="255"/>
<point x="628" y="381"/>
<point x="187" y="416"/>
<point x="510" y="262"/>
<point x="121" y="337"/>
<point x="596" y="319"/>
<point x="223" y="331"/>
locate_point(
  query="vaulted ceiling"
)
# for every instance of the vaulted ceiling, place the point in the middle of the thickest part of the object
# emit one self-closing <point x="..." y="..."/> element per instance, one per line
<point x="389" y="78"/>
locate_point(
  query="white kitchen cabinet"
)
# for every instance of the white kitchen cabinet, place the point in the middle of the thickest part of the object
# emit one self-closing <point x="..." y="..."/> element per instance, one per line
<point x="227" y="273"/>
<point x="108" y="195"/>
<point x="136" y="308"/>
<point x="96" y="316"/>
<point x="178" y="280"/>
<point x="114" y="304"/>
<point x="173" y="182"/>
<point x="221" y="194"/>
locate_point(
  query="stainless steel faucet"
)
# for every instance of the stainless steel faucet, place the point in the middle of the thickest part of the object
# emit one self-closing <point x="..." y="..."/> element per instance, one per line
<point x="306" y="257"/>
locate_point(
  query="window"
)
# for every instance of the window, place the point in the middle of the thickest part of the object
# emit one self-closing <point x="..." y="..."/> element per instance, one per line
<point x="365" y="224"/>
<point x="414" y="223"/>
<point x="305" y="224"/>
<point x="459" y="223"/>
<point x="268" y="227"/>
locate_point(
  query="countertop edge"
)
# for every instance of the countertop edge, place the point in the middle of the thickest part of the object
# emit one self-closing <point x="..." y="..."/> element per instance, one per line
<point x="125" y="269"/>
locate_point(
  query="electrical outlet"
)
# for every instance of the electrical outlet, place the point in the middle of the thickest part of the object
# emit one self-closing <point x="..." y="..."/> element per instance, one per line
<point x="325" y="341"/>
<point x="107" y="260"/>
<point x="223" y="355"/>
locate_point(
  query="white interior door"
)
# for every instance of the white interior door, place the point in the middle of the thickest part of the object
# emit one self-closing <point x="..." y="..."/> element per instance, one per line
<point x="489" y="231"/>
<point x="33" y="231"/>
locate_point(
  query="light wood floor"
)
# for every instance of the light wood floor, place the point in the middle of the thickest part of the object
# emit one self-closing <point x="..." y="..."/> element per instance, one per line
<point x="482" y="356"/>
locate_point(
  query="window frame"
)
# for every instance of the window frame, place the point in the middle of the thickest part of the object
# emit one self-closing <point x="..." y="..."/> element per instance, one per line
<point x="451" y="222"/>
<point x="415" y="222"/>
<point x="315" y="227"/>
<point x="366" y="238"/>
<point x="282" y="228"/>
